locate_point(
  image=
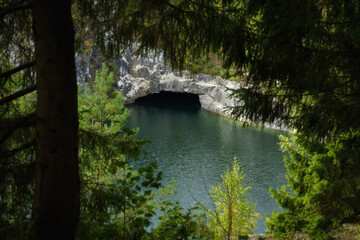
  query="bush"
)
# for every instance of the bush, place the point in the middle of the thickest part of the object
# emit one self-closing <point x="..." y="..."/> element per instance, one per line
<point x="210" y="65"/>
<point x="213" y="72"/>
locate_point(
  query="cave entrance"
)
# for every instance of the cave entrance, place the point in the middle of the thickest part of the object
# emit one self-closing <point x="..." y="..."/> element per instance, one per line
<point x="166" y="98"/>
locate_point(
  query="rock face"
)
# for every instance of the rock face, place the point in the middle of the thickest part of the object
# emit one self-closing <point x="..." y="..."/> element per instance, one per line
<point x="147" y="76"/>
<point x="212" y="91"/>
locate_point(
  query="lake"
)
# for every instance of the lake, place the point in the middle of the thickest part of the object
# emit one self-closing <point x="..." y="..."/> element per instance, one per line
<point x="195" y="146"/>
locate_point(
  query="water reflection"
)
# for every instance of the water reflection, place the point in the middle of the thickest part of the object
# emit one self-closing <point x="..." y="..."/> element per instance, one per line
<point x="192" y="145"/>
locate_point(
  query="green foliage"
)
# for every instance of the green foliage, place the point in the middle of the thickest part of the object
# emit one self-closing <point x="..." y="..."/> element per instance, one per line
<point x="206" y="65"/>
<point x="101" y="107"/>
<point x="324" y="181"/>
<point x="193" y="69"/>
<point x="17" y="156"/>
<point x="296" y="72"/>
<point x="210" y="65"/>
<point x="224" y="73"/>
<point x="175" y="224"/>
<point x="115" y="198"/>
<point x="214" y="72"/>
<point x="199" y="68"/>
<point x="120" y="207"/>
<point x="234" y="215"/>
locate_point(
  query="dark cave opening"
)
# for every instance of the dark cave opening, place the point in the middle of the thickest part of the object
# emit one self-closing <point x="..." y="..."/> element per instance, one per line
<point x="171" y="98"/>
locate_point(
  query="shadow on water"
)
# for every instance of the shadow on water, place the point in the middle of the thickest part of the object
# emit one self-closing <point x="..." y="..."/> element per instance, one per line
<point x="194" y="146"/>
<point x="170" y="101"/>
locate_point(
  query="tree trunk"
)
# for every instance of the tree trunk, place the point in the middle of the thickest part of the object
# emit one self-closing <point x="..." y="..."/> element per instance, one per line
<point x="56" y="202"/>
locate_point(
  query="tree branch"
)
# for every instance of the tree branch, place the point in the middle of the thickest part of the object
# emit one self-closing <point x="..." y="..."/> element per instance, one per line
<point x="177" y="8"/>
<point x="216" y="9"/>
<point x="14" y="124"/>
<point x="11" y="122"/>
<point x="17" y="94"/>
<point x="17" y="69"/>
<point x="7" y="154"/>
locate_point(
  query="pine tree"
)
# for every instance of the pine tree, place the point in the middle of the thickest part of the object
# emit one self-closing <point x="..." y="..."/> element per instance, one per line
<point x="116" y="200"/>
<point x="234" y="215"/>
<point x="102" y="108"/>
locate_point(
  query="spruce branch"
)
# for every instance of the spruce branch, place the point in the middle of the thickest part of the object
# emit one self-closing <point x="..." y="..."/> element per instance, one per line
<point x="7" y="74"/>
<point x="17" y="94"/>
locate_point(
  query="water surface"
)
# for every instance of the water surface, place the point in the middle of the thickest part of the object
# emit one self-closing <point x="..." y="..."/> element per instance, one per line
<point x="194" y="147"/>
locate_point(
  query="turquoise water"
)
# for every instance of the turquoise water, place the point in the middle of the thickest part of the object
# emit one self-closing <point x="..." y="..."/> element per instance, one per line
<point x="194" y="147"/>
